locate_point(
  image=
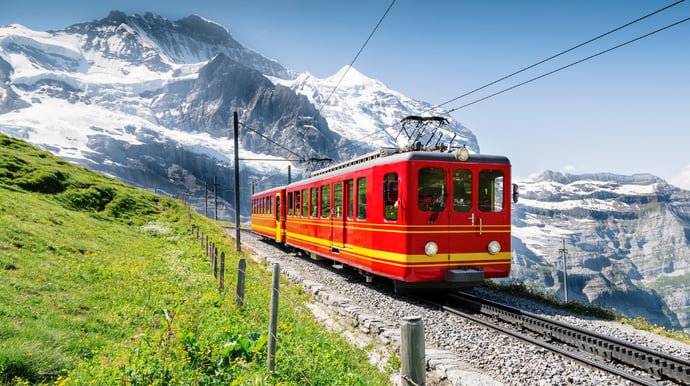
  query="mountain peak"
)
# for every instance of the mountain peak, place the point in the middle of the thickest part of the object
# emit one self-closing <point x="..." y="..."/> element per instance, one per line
<point x="116" y="16"/>
<point x="352" y="78"/>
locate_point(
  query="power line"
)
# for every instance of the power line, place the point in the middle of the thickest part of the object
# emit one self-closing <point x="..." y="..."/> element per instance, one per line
<point x="349" y="142"/>
<point x="569" y="65"/>
<point x="273" y="142"/>
<point x="557" y="55"/>
<point x="355" y="58"/>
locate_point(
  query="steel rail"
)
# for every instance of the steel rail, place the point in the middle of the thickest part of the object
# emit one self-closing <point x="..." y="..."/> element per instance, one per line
<point x="568" y="354"/>
<point x="656" y="364"/>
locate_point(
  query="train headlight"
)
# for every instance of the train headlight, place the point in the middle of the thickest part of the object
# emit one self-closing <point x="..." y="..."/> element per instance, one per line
<point x="431" y="248"/>
<point x="494" y="247"/>
<point x="463" y="154"/>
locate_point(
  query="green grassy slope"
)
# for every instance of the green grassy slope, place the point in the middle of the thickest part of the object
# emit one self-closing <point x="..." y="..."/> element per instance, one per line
<point x="100" y="283"/>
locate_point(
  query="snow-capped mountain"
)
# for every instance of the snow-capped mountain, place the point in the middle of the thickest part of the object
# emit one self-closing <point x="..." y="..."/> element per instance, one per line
<point x="627" y="239"/>
<point x="353" y="103"/>
<point x="150" y="101"/>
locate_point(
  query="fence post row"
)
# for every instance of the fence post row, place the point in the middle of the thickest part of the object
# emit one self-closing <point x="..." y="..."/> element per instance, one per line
<point x="239" y="294"/>
<point x="413" y="365"/>
<point x="273" y="323"/>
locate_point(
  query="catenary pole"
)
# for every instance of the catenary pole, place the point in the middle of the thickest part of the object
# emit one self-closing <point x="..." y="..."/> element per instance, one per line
<point x="565" y="270"/>
<point x="237" y="181"/>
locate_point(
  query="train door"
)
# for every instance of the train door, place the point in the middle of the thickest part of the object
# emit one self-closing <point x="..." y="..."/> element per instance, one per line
<point x="280" y="218"/>
<point x="433" y="202"/>
<point x="478" y="200"/>
<point x="464" y="218"/>
<point x="338" y="217"/>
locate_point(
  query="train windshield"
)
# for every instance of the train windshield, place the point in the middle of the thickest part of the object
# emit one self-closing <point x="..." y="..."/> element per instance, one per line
<point x="462" y="190"/>
<point x="490" y="198"/>
<point x="432" y="189"/>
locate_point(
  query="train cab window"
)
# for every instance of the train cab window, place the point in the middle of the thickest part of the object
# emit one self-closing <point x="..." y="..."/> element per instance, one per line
<point x="305" y="203"/>
<point x="431" y="190"/>
<point x="289" y="203"/>
<point x="462" y="190"/>
<point x="490" y="195"/>
<point x="338" y="200"/>
<point x="314" y="203"/>
<point x="390" y="196"/>
<point x="325" y="201"/>
<point x="350" y="198"/>
<point x="362" y="198"/>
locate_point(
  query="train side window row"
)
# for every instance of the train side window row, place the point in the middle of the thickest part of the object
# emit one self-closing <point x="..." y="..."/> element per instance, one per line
<point x="316" y="202"/>
<point x="262" y="205"/>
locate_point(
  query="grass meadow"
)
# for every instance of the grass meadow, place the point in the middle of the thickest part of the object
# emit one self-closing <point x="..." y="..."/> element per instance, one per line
<point x="102" y="283"/>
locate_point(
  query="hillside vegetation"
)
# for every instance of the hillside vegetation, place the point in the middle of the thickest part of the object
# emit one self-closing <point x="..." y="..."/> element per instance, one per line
<point x="101" y="283"/>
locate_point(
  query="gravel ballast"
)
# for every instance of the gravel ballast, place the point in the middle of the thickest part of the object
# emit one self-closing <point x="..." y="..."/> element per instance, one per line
<point x="458" y="352"/>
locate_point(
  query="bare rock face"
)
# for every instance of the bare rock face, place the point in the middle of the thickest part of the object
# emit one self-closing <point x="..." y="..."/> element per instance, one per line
<point x="626" y="238"/>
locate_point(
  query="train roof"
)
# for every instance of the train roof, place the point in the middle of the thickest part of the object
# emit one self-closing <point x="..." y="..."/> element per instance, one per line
<point x="386" y="156"/>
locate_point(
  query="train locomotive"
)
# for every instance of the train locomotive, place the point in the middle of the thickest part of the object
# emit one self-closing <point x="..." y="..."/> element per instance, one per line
<point x="427" y="219"/>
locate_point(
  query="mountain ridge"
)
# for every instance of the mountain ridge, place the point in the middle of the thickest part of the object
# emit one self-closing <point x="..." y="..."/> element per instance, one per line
<point x="150" y="101"/>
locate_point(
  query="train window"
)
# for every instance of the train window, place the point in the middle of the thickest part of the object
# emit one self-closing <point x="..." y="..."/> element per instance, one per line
<point x="462" y="190"/>
<point x="350" y="198"/>
<point x="298" y="203"/>
<point x="289" y="203"/>
<point x="325" y="201"/>
<point x="362" y="198"/>
<point x="305" y="203"/>
<point x="432" y="191"/>
<point x="490" y="197"/>
<point x="277" y="208"/>
<point x="390" y="196"/>
<point x="314" y="202"/>
<point x="338" y="200"/>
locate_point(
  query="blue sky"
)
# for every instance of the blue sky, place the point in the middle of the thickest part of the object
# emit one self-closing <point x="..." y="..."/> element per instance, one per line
<point x="624" y="112"/>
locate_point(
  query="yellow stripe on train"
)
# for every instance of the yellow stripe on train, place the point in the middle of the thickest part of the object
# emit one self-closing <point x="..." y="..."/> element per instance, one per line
<point x="401" y="260"/>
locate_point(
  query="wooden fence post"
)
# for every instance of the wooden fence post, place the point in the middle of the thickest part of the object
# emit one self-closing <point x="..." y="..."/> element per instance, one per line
<point x="221" y="280"/>
<point x="273" y="322"/>
<point x="239" y="293"/>
<point x="215" y="261"/>
<point x="413" y="366"/>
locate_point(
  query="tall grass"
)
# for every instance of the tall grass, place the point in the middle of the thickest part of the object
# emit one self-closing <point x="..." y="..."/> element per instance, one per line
<point x="101" y="283"/>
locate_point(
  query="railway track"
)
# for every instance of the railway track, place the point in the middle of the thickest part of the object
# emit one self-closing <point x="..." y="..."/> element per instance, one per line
<point x="593" y="349"/>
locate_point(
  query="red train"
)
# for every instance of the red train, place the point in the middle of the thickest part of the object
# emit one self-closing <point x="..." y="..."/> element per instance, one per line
<point x="425" y="219"/>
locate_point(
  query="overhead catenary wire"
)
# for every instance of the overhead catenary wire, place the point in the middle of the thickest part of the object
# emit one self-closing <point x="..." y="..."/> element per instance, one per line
<point x="568" y="66"/>
<point x="273" y="142"/>
<point x="349" y="142"/>
<point x="556" y="55"/>
<point x="325" y="102"/>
